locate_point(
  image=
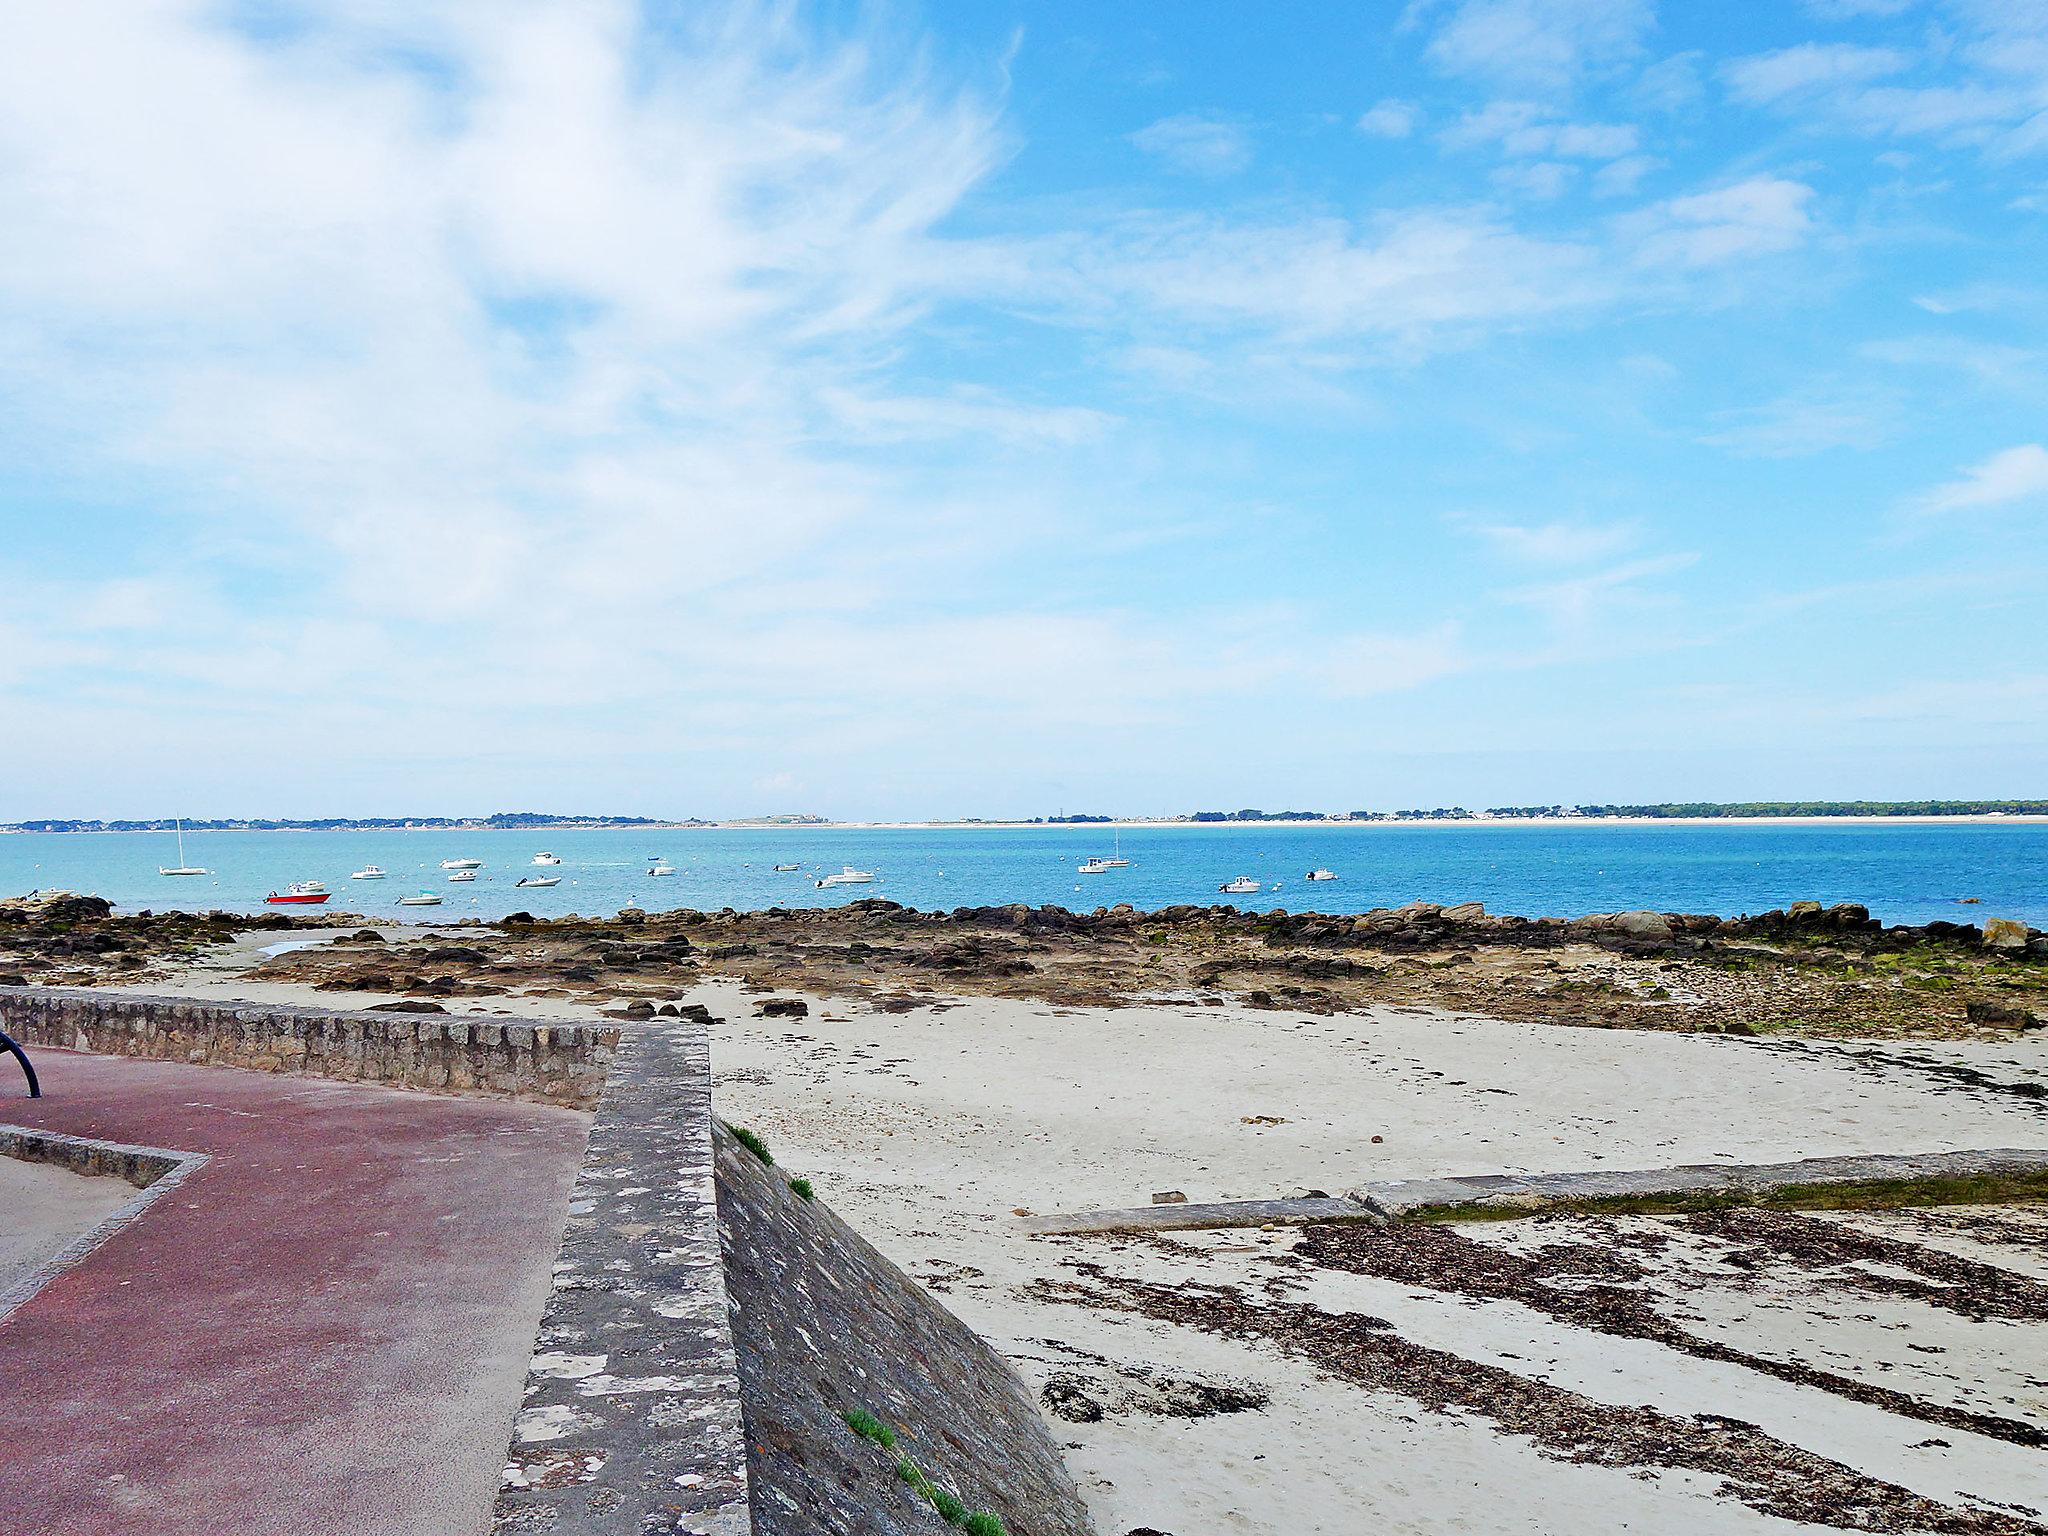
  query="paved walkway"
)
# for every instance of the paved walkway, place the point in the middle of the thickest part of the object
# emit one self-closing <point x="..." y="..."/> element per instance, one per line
<point x="325" y="1329"/>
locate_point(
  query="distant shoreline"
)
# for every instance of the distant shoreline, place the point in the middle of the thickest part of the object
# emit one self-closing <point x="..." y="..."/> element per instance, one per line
<point x="1136" y="823"/>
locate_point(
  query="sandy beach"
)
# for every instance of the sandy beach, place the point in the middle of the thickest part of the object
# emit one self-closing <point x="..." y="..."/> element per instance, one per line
<point x="1827" y="1369"/>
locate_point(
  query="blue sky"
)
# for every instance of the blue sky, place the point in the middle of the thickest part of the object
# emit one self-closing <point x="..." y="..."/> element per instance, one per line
<point x="993" y="409"/>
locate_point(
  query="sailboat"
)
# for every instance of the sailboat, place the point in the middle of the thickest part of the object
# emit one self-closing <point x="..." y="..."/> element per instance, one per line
<point x="1099" y="866"/>
<point x="183" y="868"/>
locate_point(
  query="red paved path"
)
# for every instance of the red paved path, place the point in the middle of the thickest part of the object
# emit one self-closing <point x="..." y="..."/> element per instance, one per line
<point x="325" y="1329"/>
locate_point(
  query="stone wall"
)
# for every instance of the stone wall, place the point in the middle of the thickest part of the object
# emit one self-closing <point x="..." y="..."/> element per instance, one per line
<point x="708" y="1328"/>
<point x="631" y="1419"/>
<point x="550" y="1063"/>
<point x="824" y="1325"/>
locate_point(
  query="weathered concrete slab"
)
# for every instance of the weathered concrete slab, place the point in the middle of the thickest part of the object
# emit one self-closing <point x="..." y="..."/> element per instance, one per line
<point x="1399" y="1196"/>
<point x="1387" y="1199"/>
<point x="631" y="1420"/>
<point x="1195" y="1218"/>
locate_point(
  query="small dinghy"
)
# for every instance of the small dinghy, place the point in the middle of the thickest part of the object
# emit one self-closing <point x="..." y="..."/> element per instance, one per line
<point x="538" y="882"/>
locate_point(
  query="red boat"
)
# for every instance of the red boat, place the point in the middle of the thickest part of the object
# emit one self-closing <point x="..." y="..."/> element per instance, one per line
<point x="305" y="893"/>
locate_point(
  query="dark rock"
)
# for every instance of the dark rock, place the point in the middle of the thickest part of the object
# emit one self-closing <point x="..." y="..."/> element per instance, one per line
<point x="2005" y="1015"/>
<point x="784" y="1008"/>
<point x="366" y="936"/>
<point x="405" y="1007"/>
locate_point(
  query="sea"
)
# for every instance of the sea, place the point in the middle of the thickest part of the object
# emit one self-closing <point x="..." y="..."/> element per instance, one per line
<point x="1904" y="871"/>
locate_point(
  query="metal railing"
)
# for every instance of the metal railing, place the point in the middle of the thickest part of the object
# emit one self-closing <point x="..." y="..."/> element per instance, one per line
<point x="28" y="1068"/>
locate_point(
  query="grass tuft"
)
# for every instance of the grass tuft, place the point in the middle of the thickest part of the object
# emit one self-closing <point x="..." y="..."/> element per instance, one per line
<point x="868" y="1427"/>
<point x="976" y="1522"/>
<point x="753" y="1143"/>
<point x="803" y="1188"/>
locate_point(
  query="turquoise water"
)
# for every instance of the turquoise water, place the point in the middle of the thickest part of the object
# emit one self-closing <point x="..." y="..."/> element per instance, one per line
<point x="1903" y="872"/>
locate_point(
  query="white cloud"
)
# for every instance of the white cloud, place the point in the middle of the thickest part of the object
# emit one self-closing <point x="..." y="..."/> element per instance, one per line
<point x="1554" y="543"/>
<point x="1360" y="666"/>
<point x="1809" y="67"/>
<point x="1984" y="83"/>
<point x="1621" y="177"/>
<point x="1801" y="425"/>
<point x="1388" y="119"/>
<point x="2012" y="475"/>
<point x="1410" y="276"/>
<point x="1583" y="141"/>
<point x="1756" y="217"/>
<point x="1849" y="10"/>
<point x="1540" y="179"/>
<point x="1580" y="602"/>
<point x="1206" y="146"/>
<point x="1538" y="45"/>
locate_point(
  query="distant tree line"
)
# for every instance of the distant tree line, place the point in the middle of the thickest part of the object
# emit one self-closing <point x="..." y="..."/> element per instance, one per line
<point x="501" y="820"/>
<point x="1820" y="808"/>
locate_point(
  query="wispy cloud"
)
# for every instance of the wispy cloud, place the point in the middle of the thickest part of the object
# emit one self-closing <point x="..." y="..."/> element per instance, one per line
<point x="1796" y="426"/>
<point x="1809" y="69"/>
<point x="1756" y="217"/>
<point x="1560" y="543"/>
<point x="1541" y="45"/>
<point x="2012" y="475"/>
<point x="1389" y="119"/>
<point x="1579" y="602"/>
<point x="1206" y="146"/>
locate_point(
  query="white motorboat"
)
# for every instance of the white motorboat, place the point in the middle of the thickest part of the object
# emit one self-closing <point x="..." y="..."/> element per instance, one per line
<point x="848" y="876"/>
<point x="1320" y="874"/>
<point x="462" y="863"/>
<point x="537" y="882"/>
<point x="661" y="867"/>
<point x="424" y="899"/>
<point x="183" y="868"/>
<point x="787" y="869"/>
<point x="463" y="874"/>
<point x="545" y="858"/>
<point x="368" y="872"/>
<point x="1094" y="867"/>
<point x="1243" y="885"/>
